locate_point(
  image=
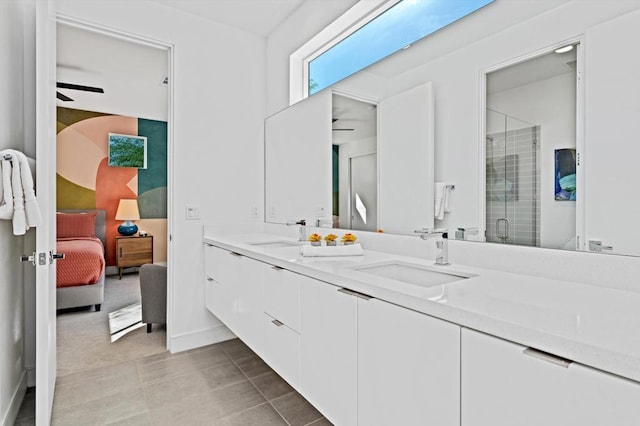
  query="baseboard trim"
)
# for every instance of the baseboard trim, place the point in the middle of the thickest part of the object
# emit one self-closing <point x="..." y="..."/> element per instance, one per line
<point x="199" y="338"/>
<point x="9" y="417"/>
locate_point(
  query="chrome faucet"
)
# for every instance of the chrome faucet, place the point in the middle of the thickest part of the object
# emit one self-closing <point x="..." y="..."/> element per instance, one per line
<point x="442" y="245"/>
<point x="302" y="231"/>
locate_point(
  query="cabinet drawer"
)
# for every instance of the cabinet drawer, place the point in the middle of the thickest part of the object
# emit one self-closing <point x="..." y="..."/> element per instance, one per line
<point x="282" y="295"/>
<point x="209" y="294"/>
<point x="134" y="251"/>
<point x="221" y="265"/>
<point x="504" y="383"/>
<point x="282" y="350"/>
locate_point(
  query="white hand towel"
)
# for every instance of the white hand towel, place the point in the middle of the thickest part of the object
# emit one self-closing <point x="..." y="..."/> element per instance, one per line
<point x="19" y="217"/>
<point x="6" y="200"/>
<point x="31" y="207"/>
<point x="442" y="199"/>
<point x="324" y="251"/>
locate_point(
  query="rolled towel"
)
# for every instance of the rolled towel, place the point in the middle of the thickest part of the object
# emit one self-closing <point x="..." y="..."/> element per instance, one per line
<point x="19" y="217"/>
<point x="6" y="199"/>
<point x="31" y="206"/>
<point x="325" y="251"/>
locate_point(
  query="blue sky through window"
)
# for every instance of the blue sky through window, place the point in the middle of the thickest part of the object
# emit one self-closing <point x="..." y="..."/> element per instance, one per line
<point x="401" y="25"/>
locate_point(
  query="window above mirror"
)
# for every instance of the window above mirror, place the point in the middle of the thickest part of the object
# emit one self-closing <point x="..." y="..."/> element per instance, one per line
<point x="394" y="27"/>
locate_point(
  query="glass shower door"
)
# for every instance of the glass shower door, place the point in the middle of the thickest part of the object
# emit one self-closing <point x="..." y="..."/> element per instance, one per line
<point x="512" y="212"/>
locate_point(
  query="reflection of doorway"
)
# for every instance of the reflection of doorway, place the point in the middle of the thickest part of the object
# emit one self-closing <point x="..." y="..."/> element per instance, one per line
<point x="134" y="102"/>
<point x="354" y="148"/>
<point x="543" y="90"/>
<point x="363" y="192"/>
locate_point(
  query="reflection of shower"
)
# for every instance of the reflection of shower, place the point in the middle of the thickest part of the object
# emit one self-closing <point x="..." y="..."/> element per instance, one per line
<point x="512" y="176"/>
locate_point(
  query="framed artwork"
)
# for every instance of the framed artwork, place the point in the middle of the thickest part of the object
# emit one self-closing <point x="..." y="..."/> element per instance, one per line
<point x="127" y="151"/>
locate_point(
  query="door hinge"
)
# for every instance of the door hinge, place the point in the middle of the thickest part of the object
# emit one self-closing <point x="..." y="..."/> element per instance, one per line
<point x="578" y="158"/>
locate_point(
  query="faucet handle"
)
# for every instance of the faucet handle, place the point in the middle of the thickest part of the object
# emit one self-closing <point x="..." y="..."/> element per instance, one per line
<point x="422" y="231"/>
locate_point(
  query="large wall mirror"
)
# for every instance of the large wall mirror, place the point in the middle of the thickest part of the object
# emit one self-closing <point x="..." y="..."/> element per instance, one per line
<point x="481" y="74"/>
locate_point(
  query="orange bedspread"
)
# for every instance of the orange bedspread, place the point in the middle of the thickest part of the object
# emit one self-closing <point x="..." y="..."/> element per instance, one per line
<point x="83" y="263"/>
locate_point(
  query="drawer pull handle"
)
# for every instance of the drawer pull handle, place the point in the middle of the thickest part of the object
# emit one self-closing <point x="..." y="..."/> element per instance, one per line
<point x="233" y="253"/>
<point x="277" y="323"/>
<point x="276" y="268"/>
<point x="208" y="244"/>
<point x="355" y="293"/>
<point x="209" y="279"/>
<point x="545" y="356"/>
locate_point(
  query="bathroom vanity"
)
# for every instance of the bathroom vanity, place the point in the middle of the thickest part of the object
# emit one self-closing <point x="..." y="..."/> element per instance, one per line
<point x="387" y="339"/>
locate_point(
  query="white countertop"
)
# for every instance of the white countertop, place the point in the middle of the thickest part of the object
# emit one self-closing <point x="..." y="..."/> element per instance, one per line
<point x="595" y="326"/>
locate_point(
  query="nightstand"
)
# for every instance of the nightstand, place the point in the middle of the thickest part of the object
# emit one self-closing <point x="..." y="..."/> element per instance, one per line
<point x="133" y="251"/>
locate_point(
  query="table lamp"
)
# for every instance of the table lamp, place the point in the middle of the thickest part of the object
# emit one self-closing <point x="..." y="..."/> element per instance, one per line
<point x="128" y="211"/>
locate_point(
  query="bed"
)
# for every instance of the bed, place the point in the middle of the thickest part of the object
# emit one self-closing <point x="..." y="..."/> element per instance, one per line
<point x="80" y="276"/>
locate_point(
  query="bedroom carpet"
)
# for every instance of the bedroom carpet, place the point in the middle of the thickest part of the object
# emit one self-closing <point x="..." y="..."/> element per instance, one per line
<point x="83" y="335"/>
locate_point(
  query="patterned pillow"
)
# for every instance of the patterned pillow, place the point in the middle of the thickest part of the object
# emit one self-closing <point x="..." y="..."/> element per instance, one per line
<point x="73" y="225"/>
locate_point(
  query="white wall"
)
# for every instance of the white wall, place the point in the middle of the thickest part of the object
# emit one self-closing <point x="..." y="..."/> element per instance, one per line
<point x="12" y="135"/>
<point x="217" y="128"/>
<point x="550" y="104"/>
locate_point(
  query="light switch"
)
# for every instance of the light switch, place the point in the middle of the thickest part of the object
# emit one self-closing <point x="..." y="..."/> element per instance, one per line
<point x="192" y="212"/>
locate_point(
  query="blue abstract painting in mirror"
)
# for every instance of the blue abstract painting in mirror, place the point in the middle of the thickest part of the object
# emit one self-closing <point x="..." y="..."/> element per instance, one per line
<point x="127" y="151"/>
<point x="565" y="174"/>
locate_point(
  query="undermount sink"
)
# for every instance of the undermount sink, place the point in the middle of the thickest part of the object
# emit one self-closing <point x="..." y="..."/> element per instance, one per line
<point x="273" y="244"/>
<point x="408" y="273"/>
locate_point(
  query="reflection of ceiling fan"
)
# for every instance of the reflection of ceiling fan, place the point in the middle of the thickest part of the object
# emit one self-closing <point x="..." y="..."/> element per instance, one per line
<point x="65" y="98"/>
<point x="333" y="120"/>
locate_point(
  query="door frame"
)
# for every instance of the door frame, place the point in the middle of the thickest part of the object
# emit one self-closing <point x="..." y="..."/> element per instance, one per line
<point x="46" y="360"/>
<point x="482" y="131"/>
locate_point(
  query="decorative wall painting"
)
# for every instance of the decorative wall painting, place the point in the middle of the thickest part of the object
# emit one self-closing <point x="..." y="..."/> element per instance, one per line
<point x="565" y="174"/>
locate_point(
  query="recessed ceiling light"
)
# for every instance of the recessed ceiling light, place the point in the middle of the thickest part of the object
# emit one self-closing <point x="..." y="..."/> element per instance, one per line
<point x="564" y="49"/>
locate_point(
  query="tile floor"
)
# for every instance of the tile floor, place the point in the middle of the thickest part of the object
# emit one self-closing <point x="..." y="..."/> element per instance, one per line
<point x="222" y="384"/>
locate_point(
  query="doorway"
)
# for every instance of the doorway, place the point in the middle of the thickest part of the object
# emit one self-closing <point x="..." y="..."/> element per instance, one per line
<point x="363" y="192"/>
<point x="111" y="84"/>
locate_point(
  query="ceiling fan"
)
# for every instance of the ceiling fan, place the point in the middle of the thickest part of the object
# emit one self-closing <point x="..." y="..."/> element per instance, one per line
<point x="71" y="86"/>
<point x="333" y="120"/>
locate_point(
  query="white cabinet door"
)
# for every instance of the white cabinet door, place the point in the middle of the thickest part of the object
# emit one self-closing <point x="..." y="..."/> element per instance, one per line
<point x="281" y="322"/>
<point x="328" y="350"/>
<point x="506" y="384"/>
<point x="282" y="350"/>
<point x="282" y="295"/>
<point x="233" y="293"/>
<point x="408" y="367"/>
<point x="249" y="305"/>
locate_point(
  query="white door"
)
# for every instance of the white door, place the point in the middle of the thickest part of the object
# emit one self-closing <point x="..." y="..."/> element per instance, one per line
<point x="406" y="125"/>
<point x="363" y="192"/>
<point x="45" y="189"/>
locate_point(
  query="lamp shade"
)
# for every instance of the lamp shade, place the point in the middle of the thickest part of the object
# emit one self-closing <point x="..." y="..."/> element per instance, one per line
<point x="128" y="210"/>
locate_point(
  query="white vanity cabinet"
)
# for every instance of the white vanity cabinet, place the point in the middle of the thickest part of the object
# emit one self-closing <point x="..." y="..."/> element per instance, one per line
<point x="506" y="384"/>
<point x="408" y="367"/>
<point x="280" y="322"/>
<point x="233" y="293"/>
<point x="328" y="350"/>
